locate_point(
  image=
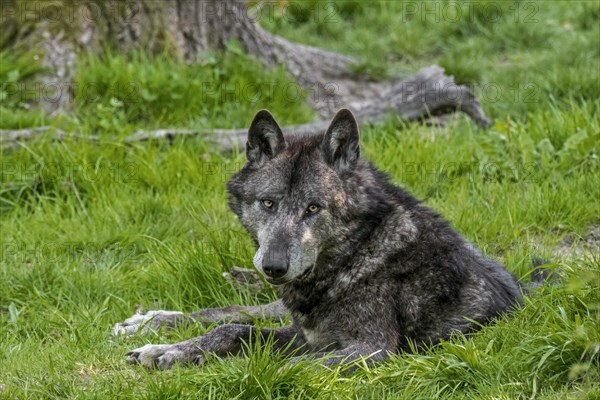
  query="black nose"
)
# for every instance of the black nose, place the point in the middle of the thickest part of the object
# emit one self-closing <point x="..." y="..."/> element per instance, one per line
<point x="275" y="271"/>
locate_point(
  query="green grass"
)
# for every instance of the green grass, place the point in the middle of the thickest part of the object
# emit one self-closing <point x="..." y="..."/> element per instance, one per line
<point x="121" y="93"/>
<point x="88" y="230"/>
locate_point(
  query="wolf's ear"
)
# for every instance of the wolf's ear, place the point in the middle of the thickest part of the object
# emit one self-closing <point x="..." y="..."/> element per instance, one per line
<point x="265" y="139"/>
<point x="340" y="144"/>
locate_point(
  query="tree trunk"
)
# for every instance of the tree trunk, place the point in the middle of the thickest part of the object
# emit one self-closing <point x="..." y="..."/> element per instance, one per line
<point x="190" y="28"/>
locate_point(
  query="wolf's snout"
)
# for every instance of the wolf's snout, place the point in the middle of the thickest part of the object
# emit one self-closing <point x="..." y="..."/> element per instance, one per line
<point x="275" y="271"/>
<point x="275" y="263"/>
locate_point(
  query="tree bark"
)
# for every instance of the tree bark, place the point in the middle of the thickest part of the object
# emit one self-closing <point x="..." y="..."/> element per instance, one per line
<point x="191" y="28"/>
<point x="429" y="96"/>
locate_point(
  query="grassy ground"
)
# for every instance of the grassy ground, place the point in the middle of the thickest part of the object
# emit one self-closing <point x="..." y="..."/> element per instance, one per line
<point x="88" y="230"/>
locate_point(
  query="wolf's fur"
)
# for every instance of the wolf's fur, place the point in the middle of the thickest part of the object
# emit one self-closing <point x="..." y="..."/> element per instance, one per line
<point x="362" y="266"/>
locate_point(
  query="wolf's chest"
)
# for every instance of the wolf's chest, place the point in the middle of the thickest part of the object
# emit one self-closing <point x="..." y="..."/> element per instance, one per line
<point x="318" y="329"/>
<point x="320" y="338"/>
<point x="314" y="315"/>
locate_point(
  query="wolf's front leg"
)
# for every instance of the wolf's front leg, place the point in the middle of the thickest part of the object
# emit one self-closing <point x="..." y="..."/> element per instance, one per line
<point x="143" y="322"/>
<point x="221" y="341"/>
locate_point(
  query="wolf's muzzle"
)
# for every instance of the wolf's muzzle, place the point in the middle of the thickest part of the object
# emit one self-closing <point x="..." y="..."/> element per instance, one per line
<point x="276" y="261"/>
<point x="275" y="271"/>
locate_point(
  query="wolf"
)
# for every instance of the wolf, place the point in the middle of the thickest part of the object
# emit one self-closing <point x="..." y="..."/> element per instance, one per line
<point x="363" y="267"/>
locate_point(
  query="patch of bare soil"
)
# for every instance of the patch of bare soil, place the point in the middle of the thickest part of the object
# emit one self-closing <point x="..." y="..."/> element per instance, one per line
<point x="576" y="247"/>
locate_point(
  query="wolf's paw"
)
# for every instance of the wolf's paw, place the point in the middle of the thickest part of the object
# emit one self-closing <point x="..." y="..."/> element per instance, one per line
<point x="144" y="322"/>
<point x="162" y="356"/>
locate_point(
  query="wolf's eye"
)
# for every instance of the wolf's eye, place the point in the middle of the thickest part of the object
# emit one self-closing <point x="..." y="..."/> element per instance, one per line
<point x="313" y="208"/>
<point x="267" y="203"/>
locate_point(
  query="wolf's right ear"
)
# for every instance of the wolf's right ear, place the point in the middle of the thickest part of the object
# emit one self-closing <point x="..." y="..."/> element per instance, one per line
<point x="340" y="145"/>
<point x="265" y="139"/>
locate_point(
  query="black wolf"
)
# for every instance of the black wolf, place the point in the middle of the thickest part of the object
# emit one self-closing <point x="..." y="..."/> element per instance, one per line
<point x="362" y="266"/>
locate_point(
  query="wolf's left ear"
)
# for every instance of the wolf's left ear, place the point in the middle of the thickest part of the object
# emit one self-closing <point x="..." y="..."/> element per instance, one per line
<point x="340" y="144"/>
<point x="265" y="139"/>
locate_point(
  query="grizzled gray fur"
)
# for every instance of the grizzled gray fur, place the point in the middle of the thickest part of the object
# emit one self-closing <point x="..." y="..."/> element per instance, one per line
<point x="362" y="266"/>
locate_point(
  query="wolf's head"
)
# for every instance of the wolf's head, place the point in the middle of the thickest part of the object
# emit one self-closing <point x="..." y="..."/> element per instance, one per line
<point x="293" y="194"/>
